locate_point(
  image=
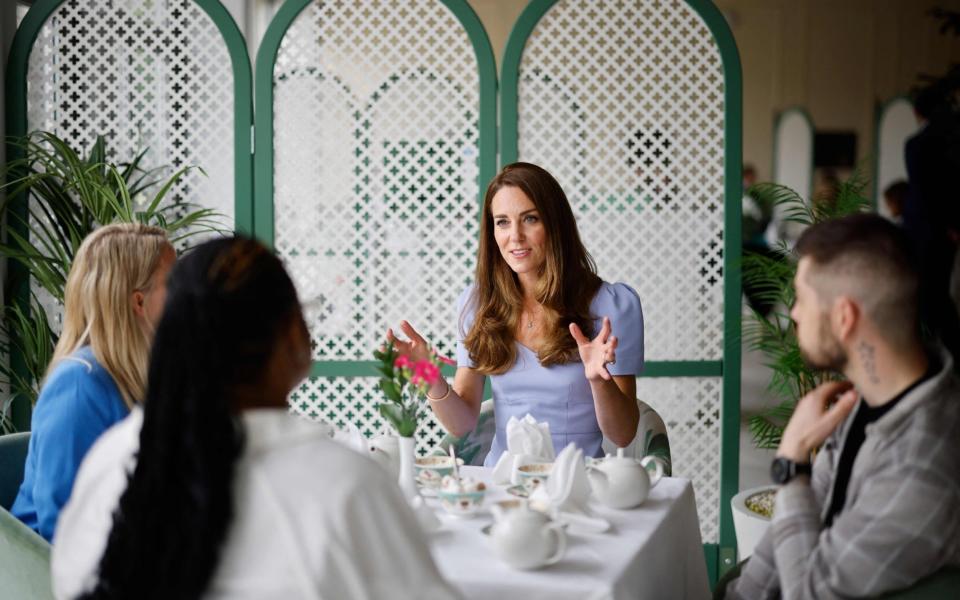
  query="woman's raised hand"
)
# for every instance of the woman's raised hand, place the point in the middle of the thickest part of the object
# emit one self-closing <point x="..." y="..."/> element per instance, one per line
<point x="415" y="349"/>
<point x="597" y="353"/>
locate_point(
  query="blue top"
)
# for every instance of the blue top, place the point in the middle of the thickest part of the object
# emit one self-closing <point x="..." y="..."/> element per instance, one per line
<point x="560" y="394"/>
<point x="78" y="402"/>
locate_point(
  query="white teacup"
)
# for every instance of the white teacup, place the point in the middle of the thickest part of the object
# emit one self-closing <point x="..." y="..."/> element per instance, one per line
<point x="534" y="474"/>
<point x="432" y="469"/>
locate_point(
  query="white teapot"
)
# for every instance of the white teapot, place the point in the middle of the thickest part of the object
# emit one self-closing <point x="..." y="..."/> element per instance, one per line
<point x="525" y="538"/>
<point x="623" y="482"/>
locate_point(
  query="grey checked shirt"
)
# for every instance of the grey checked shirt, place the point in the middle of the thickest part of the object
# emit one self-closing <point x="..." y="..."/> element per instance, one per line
<point x="901" y="519"/>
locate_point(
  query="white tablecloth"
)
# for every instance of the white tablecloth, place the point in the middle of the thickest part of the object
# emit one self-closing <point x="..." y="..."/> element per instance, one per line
<point x="653" y="551"/>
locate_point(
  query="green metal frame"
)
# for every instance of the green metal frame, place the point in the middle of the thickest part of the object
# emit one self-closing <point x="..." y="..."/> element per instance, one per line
<point x="16" y="125"/>
<point x="263" y="144"/>
<point x="880" y="112"/>
<point x="776" y="138"/>
<point x="720" y="557"/>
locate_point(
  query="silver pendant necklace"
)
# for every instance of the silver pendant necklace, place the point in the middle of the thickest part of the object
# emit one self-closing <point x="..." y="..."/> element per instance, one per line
<point x="531" y="320"/>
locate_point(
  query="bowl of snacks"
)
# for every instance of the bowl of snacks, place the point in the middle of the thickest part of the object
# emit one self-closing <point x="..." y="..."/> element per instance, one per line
<point x="461" y="497"/>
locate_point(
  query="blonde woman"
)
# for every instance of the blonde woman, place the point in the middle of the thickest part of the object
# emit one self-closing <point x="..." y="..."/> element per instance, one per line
<point x="113" y="300"/>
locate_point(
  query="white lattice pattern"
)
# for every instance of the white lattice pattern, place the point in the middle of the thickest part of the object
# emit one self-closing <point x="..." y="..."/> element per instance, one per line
<point x="623" y="103"/>
<point x="691" y="408"/>
<point x="342" y="400"/>
<point x="375" y="169"/>
<point x="145" y="74"/>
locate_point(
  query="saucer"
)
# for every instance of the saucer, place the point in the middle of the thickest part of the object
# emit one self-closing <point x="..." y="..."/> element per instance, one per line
<point x="518" y="491"/>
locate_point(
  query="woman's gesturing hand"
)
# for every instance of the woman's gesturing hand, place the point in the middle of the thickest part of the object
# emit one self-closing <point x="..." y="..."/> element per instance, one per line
<point x="415" y="349"/>
<point x="597" y="353"/>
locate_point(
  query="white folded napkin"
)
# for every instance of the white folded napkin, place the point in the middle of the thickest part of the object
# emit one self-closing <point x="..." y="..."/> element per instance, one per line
<point x="567" y="492"/>
<point x="527" y="442"/>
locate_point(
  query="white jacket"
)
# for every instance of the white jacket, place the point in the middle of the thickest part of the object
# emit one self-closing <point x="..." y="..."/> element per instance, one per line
<point x="313" y="519"/>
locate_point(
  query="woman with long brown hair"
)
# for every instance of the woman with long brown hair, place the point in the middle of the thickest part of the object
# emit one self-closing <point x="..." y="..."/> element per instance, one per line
<point x="557" y="341"/>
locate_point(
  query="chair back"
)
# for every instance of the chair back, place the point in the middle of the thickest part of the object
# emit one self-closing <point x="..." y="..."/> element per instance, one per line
<point x="13" y="457"/>
<point x="473" y="447"/>
<point x="24" y="561"/>
<point x="945" y="583"/>
<point x="651" y="439"/>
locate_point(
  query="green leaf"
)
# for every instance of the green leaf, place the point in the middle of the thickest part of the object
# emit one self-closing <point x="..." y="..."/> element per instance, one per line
<point x="774" y="335"/>
<point x="391" y="391"/>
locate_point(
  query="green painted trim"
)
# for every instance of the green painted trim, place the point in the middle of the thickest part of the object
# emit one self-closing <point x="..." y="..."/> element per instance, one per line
<point x="263" y="212"/>
<point x="733" y="163"/>
<point x="733" y="151"/>
<point x="879" y="114"/>
<point x="727" y="560"/>
<point x="242" y="113"/>
<point x="487" y="69"/>
<point x="776" y="137"/>
<point x="18" y="64"/>
<point x="359" y="368"/>
<point x="510" y="77"/>
<point x="17" y="284"/>
<point x="720" y="559"/>
<point x="711" y="554"/>
<point x="678" y="368"/>
<point x="263" y="223"/>
<point x="683" y="368"/>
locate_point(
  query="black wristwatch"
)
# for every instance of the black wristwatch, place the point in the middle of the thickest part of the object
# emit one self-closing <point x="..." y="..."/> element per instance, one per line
<point x="783" y="469"/>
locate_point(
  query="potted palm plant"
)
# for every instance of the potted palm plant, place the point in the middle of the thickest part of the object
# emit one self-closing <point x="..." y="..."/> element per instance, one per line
<point x="773" y="335"/>
<point x="69" y="196"/>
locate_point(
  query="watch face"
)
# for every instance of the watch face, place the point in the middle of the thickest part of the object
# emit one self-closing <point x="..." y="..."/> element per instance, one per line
<point x="780" y="470"/>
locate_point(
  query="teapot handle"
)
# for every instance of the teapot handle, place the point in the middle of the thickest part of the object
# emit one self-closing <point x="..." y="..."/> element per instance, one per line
<point x="658" y="468"/>
<point x="561" y="543"/>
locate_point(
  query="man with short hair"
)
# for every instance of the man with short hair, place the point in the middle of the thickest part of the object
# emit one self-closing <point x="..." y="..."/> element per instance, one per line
<point x="880" y="508"/>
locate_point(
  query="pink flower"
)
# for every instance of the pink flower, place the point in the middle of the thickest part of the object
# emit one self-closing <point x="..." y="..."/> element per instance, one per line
<point x="402" y="362"/>
<point x="425" y="371"/>
<point x="446" y="361"/>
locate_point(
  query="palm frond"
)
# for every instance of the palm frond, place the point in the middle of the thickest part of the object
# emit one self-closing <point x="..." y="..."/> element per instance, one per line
<point x="69" y="196"/>
<point x="771" y="276"/>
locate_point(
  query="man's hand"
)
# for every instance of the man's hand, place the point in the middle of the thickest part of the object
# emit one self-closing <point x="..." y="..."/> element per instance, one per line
<point x="813" y="420"/>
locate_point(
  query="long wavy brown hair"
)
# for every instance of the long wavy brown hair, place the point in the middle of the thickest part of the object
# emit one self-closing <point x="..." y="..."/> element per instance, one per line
<point x="567" y="284"/>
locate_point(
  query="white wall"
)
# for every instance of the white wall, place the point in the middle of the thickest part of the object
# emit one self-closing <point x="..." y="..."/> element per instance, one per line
<point x="837" y="59"/>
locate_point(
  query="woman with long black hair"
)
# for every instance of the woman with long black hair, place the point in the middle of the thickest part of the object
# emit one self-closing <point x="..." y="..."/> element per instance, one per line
<point x="230" y="495"/>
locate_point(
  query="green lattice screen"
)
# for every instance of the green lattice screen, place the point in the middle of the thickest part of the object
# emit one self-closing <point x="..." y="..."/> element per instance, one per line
<point x="635" y="107"/>
<point x="382" y="131"/>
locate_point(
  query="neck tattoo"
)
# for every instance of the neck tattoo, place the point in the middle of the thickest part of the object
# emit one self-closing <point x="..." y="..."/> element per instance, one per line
<point x="867" y="357"/>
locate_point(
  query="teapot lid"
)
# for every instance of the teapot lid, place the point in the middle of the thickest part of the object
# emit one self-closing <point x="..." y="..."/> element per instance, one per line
<point x="620" y="460"/>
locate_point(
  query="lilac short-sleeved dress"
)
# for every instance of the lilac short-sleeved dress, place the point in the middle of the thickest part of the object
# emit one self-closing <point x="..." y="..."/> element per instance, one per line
<point x="560" y="394"/>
